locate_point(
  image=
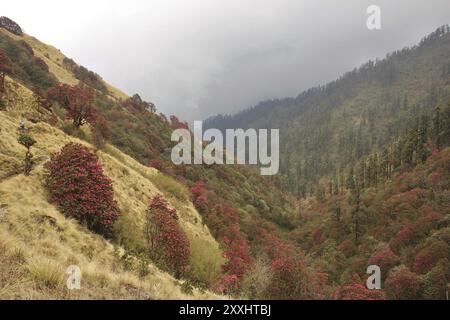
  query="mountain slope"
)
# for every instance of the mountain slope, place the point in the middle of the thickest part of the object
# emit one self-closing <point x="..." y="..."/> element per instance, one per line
<point x="326" y="130"/>
<point x="44" y="243"/>
<point x="135" y="129"/>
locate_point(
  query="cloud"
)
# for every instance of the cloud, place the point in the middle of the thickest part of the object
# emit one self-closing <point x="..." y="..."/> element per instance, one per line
<point x="196" y="58"/>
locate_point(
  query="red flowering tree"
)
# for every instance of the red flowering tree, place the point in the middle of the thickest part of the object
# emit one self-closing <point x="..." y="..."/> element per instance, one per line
<point x="403" y="237"/>
<point x="427" y="258"/>
<point x="357" y="291"/>
<point x="77" y="100"/>
<point x="199" y="196"/>
<point x="167" y="242"/>
<point x="384" y="258"/>
<point x="5" y="67"/>
<point x="77" y="184"/>
<point x="100" y="129"/>
<point x="237" y="251"/>
<point x="402" y="284"/>
<point x="290" y="276"/>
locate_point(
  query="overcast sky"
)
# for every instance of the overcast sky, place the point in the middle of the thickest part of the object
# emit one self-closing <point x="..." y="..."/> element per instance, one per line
<point x="196" y="58"/>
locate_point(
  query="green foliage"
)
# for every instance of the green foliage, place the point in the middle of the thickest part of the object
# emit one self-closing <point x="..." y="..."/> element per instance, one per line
<point x="26" y="67"/>
<point x="169" y="186"/>
<point x="88" y="77"/>
<point x="27" y="141"/>
<point x="2" y="104"/>
<point x="329" y="129"/>
<point x="205" y="263"/>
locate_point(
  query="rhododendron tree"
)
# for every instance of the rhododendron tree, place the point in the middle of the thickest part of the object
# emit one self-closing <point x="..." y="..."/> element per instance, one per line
<point x="384" y="258"/>
<point x="167" y="242"/>
<point x="77" y="100"/>
<point x="228" y="284"/>
<point x="430" y="255"/>
<point x="199" y="196"/>
<point x="291" y="278"/>
<point x="77" y="184"/>
<point x="356" y="291"/>
<point x="403" y="237"/>
<point x="237" y="252"/>
<point x="402" y="284"/>
<point x="100" y="129"/>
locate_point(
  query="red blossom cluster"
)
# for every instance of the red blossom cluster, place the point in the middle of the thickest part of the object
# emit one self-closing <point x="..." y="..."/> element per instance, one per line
<point x="199" y="196"/>
<point x="167" y="241"/>
<point x="237" y="252"/>
<point x="356" y="291"/>
<point x="402" y="284"/>
<point x="77" y="100"/>
<point x="77" y="184"/>
<point x="384" y="258"/>
<point x="430" y="255"/>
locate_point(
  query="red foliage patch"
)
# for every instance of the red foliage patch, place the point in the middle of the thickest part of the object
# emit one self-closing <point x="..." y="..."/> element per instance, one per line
<point x="384" y="258"/>
<point x="77" y="100"/>
<point x="167" y="240"/>
<point x="237" y="252"/>
<point x="199" y="196"/>
<point x="78" y="186"/>
<point x="402" y="285"/>
<point x="357" y="291"/>
<point x="427" y="258"/>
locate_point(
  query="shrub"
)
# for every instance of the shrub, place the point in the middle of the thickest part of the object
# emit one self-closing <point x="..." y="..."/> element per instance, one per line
<point x="357" y="291"/>
<point x="28" y="161"/>
<point x="237" y="252"/>
<point x="402" y="284"/>
<point x="170" y="186"/>
<point x="291" y="278"/>
<point x="429" y="256"/>
<point x="2" y="105"/>
<point x="199" y="197"/>
<point x="24" y="65"/>
<point x="384" y="258"/>
<point x="167" y="242"/>
<point x="77" y="100"/>
<point x="78" y="186"/>
<point x="434" y="283"/>
<point x="257" y="280"/>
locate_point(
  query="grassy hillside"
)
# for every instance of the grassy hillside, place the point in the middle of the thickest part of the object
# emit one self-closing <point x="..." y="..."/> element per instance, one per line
<point x="39" y="243"/>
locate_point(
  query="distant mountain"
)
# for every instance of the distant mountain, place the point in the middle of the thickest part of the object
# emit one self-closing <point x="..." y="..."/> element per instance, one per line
<point x="327" y="130"/>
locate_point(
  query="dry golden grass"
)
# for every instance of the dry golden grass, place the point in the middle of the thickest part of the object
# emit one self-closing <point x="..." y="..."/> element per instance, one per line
<point x="38" y="243"/>
<point x="54" y="59"/>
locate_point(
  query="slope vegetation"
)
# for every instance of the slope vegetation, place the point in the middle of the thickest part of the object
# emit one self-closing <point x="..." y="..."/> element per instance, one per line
<point x="39" y="243"/>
